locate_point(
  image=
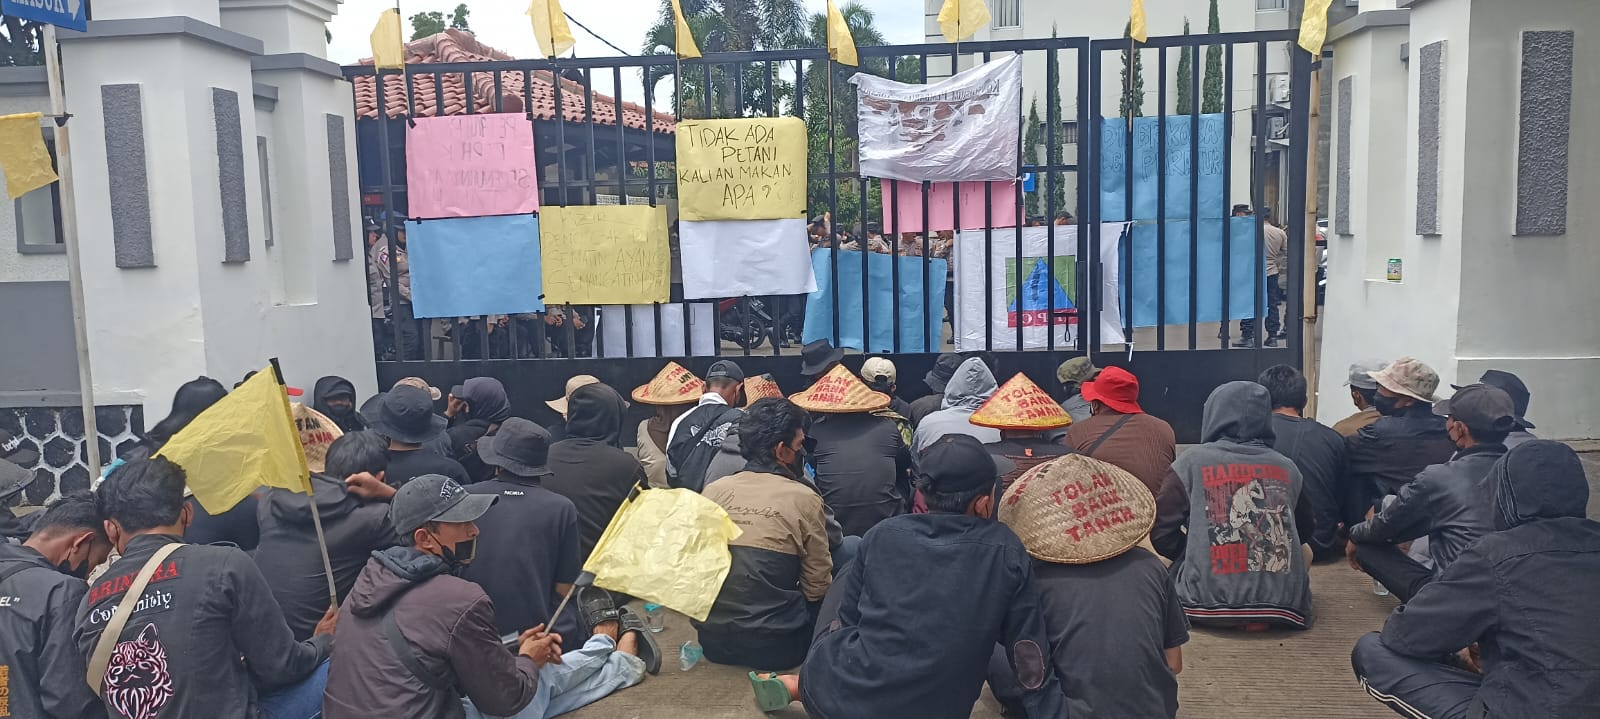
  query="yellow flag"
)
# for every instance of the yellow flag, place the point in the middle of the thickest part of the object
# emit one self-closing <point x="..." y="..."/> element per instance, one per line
<point x="550" y="27"/>
<point x="245" y="441"/>
<point x="1314" y="27"/>
<point x="841" y="44"/>
<point x="388" y="51"/>
<point x="666" y="546"/>
<point x="23" y="157"/>
<point x="1136" y="23"/>
<point x="959" y="19"/>
<point x="682" y="37"/>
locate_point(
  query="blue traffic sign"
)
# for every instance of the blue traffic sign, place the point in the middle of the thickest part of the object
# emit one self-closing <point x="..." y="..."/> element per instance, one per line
<point x="1029" y="182"/>
<point x="70" y="14"/>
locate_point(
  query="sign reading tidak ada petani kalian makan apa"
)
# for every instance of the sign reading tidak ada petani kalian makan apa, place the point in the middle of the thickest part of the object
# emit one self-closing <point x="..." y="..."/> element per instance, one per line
<point x="742" y="169"/>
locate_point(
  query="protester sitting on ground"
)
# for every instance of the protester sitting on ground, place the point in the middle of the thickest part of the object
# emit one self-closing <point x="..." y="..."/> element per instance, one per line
<point x="335" y="398"/>
<point x="937" y="379"/>
<point x="729" y="459"/>
<point x="589" y="467"/>
<point x="207" y="639"/>
<point x="1103" y="596"/>
<point x="352" y="500"/>
<point x="42" y="580"/>
<point x="862" y="464"/>
<point x="1513" y="386"/>
<point x="879" y="374"/>
<point x="695" y="436"/>
<point x="1316" y="450"/>
<point x="14" y="479"/>
<point x="1515" y="608"/>
<point x="558" y="431"/>
<point x="760" y="387"/>
<point x="473" y="414"/>
<point x="782" y="567"/>
<point x="672" y="392"/>
<point x="1025" y="416"/>
<point x="1447" y="503"/>
<point x="910" y="625"/>
<point x="1387" y="454"/>
<point x="406" y="418"/>
<point x="967" y="390"/>
<point x="1120" y="432"/>
<point x="1071" y="375"/>
<point x="1229" y="515"/>
<point x="817" y="358"/>
<point x="440" y="444"/>
<point x="1363" y="389"/>
<point x="417" y="641"/>
<point x="528" y="541"/>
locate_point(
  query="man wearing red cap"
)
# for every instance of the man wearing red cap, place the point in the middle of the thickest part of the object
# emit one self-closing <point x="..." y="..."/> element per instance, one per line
<point x="1120" y="432"/>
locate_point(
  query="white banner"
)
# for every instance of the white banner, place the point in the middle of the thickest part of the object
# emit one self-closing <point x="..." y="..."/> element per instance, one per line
<point x="1029" y="303"/>
<point x="963" y="128"/>
<point x="738" y="258"/>
<point x="613" y="327"/>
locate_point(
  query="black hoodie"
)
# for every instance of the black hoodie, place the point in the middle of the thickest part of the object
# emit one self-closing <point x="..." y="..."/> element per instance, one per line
<point x="487" y="407"/>
<point x="350" y="420"/>
<point x="591" y="469"/>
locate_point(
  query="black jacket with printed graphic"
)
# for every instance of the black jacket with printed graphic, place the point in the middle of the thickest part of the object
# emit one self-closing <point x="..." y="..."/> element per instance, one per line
<point x="42" y="668"/>
<point x="203" y="642"/>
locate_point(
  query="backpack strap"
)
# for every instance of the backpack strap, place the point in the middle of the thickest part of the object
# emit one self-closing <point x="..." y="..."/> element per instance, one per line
<point x="113" y="631"/>
<point x="1107" y="435"/>
<point x="408" y="656"/>
<point x="15" y="569"/>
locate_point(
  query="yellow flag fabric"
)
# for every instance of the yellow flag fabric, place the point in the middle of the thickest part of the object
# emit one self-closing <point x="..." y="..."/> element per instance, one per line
<point x="1314" y="26"/>
<point x="245" y="441"/>
<point x="23" y="156"/>
<point x="388" y="48"/>
<point x="959" y="19"/>
<point x="841" y="44"/>
<point x="1136" y="23"/>
<point x="550" y="27"/>
<point x="682" y="37"/>
<point x="666" y="546"/>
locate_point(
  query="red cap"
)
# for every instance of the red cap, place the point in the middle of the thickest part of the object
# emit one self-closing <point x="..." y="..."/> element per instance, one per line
<point x="1117" y="388"/>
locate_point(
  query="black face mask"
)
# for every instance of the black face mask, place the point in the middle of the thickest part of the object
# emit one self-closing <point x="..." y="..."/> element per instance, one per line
<point x="81" y="571"/>
<point x="1386" y="405"/>
<point x="460" y="556"/>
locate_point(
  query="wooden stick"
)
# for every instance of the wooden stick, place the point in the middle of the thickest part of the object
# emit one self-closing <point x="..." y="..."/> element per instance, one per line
<point x="1308" y="280"/>
<point x="322" y="544"/>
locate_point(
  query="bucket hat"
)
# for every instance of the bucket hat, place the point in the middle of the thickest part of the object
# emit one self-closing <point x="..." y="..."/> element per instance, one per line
<point x="816" y="355"/>
<point x="1020" y="404"/>
<point x="1077" y="369"/>
<point x="1116" y="388"/>
<point x="1078" y="510"/>
<point x="1361" y="374"/>
<point x="406" y="415"/>
<point x="519" y="447"/>
<point x="559" y="404"/>
<point x="422" y="384"/>
<point x="1410" y="377"/>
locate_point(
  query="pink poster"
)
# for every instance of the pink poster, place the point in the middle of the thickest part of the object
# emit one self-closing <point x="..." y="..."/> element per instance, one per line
<point x="907" y="204"/>
<point x="471" y="166"/>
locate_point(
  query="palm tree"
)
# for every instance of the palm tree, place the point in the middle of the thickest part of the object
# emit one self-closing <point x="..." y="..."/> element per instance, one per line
<point x="726" y="26"/>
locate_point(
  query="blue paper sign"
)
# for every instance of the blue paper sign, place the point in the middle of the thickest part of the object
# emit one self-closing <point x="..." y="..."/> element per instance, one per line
<point x="1141" y="260"/>
<point x="917" y="324"/>
<point x="70" y="14"/>
<point x="1145" y="168"/>
<point x="474" y="266"/>
<point x="1030" y="182"/>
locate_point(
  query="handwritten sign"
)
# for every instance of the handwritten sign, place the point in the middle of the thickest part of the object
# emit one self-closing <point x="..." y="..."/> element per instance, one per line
<point x="745" y="169"/>
<point x="605" y="255"/>
<point x="471" y="166"/>
<point x="831" y="390"/>
<point x="903" y="200"/>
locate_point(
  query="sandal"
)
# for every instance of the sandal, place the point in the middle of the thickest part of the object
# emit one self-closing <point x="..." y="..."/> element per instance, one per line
<point x="771" y="694"/>
<point x="649" y="651"/>
<point x="596" y="607"/>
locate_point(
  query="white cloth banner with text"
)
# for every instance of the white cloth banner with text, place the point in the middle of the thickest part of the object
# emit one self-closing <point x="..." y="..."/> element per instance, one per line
<point x="739" y="258"/>
<point x="1030" y="303"/>
<point x="965" y="128"/>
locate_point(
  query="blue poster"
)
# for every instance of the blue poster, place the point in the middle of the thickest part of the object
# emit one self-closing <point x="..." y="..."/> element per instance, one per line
<point x="1140" y="271"/>
<point x="1115" y="168"/>
<point x="471" y="266"/>
<point x="916" y="325"/>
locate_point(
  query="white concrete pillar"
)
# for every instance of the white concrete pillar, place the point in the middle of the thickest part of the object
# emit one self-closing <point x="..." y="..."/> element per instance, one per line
<point x="282" y="26"/>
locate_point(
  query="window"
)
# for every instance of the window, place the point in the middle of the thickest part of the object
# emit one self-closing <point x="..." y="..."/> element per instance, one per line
<point x="39" y="214"/>
<point x="1069" y="133"/>
<point x="1272" y="4"/>
<point x="1007" y="13"/>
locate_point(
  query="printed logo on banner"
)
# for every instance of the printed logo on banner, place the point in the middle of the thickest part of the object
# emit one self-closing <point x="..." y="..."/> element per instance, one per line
<point x="1041" y="292"/>
<point x="1247" y="508"/>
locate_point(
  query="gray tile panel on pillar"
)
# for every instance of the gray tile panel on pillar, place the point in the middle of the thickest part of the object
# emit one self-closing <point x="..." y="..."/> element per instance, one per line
<point x="1341" y="209"/>
<point x="266" y="185"/>
<point x="1430" y="101"/>
<point x="339" y="190"/>
<point x="230" y="175"/>
<point x="1544" y="132"/>
<point x="131" y="238"/>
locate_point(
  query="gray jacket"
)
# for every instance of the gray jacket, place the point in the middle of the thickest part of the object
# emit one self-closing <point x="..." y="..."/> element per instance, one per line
<point x="1448" y="503"/>
<point x="964" y="394"/>
<point x="38" y="608"/>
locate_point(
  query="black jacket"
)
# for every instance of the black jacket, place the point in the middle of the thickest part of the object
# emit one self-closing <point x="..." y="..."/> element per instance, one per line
<point x="1389" y="453"/>
<point x="693" y="446"/>
<point x="350" y="421"/>
<point x="860" y="461"/>
<point x="38" y="609"/>
<point x="1319" y="453"/>
<point x="1447" y="502"/>
<point x="591" y="469"/>
<point x="1524" y="593"/>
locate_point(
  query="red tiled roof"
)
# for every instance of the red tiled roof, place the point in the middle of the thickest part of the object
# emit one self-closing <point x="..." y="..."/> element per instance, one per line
<point x="458" y="46"/>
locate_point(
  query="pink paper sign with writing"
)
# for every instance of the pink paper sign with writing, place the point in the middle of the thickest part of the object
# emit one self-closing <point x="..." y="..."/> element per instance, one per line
<point x="471" y="166"/>
<point x="906" y="203"/>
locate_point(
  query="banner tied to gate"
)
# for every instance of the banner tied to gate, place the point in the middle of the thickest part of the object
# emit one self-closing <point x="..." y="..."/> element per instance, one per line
<point x="959" y="129"/>
<point x="745" y="169"/>
<point x="605" y="254"/>
<point x="471" y="166"/>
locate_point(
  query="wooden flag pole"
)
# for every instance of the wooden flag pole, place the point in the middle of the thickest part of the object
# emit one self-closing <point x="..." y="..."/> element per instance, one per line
<point x="316" y="515"/>
<point x="584" y="579"/>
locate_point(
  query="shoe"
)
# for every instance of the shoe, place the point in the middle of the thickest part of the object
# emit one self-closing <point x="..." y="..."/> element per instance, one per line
<point x="771" y="694"/>
<point x="649" y="651"/>
<point x="1244" y="342"/>
<point x="1270" y="342"/>
<point x="596" y="607"/>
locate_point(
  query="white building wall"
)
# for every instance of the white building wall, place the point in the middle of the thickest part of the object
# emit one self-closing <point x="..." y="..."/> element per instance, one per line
<point x="14" y="265"/>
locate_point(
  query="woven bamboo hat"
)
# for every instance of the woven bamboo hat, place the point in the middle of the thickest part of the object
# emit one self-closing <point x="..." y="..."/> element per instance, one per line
<point x="760" y="387"/>
<point x="840" y="392"/>
<point x="1020" y="404"/>
<point x="317" y="433"/>
<point x="1078" y="510"/>
<point x="674" y="384"/>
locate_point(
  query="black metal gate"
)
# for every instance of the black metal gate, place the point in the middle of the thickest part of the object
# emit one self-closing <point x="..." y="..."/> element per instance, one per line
<point x="596" y="149"/>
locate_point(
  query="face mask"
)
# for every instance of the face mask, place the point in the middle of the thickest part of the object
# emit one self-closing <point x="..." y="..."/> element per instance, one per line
<point x="1385" y="404"/>
<point x="81" y="571"/>
<point x="459" y="556"/>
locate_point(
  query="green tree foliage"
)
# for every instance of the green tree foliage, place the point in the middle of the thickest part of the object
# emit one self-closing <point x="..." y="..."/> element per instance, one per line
<point x="424" y="24"/>
<point x="1055" y="115"/>
<point x="1212" y="92"/>
<point x="1132" y="100"/>
<point x="21" y="43"/>
<point x="1186" y="77"/>
<point x="726" y="26"/>
<point x="1030" y="156"/>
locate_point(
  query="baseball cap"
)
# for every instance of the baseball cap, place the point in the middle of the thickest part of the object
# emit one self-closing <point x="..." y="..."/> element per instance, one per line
<point x="1361" y="373"/>
<point x="1513" y="385"/>
<point x="959" y="463"/>
<point x="1480" y="407"/>
<point x="725" y="369"/>
<point x="435" y="498"/>
<point x="879" y="372"/>
<point x="17" y="450"/>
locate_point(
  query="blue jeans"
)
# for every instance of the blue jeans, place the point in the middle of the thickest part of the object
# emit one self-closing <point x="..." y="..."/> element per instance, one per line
<point x="297" y="701"/>
<point x="584" y="676"/>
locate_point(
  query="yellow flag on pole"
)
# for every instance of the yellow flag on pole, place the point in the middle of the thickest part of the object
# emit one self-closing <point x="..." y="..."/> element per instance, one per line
<point x="550" y="27"/>
<point x="388" y="50"/>
<point x="841" y="44"/>
<point x="23" y="157"/>
<point x="683" y="39"/>
<point x="667" y="546"/>
<point x="245" y="441"/>
<point x="1314" y="27"/>
<point x="1136" y="23"/>
<point x="959" y="19"/>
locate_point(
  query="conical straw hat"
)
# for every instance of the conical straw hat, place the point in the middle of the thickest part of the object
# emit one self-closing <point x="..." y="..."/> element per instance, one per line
<point x="1078" y="510"/>
<point x="317" y="433"/>
<point x="672" y="385"/>
<point x="1020" y="404"/>
<point x="760" y="387"/>
<point x="840" y="392"/>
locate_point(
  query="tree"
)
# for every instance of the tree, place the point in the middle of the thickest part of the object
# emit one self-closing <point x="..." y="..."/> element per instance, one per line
<point x="21" y="42"/>
<point x="725" y="26"/>
<point x="1212" y="97"/>
<point x="1055" y="115"/>
<point x="1132" y="101"/>
<point x="425" y="24"/>
<point x="1186" y="76"/>
<point x="1030" y="156"/>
